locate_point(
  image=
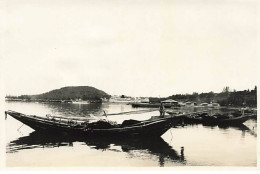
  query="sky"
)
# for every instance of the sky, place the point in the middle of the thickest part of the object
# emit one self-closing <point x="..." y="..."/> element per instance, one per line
<point x="131" y="47"/>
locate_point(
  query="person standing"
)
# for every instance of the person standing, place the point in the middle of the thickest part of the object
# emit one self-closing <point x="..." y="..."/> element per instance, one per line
<point x="162" y="110"/>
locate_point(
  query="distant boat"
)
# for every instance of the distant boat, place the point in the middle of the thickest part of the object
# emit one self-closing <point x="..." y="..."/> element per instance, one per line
<point x="117" y="99"/>
<point x="80" y="102"/>
<point x="167" y="104"/>
<point x="129" y="128"/>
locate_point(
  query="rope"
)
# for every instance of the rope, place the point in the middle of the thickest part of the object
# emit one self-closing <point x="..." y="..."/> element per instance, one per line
<point x="20" y="127"/>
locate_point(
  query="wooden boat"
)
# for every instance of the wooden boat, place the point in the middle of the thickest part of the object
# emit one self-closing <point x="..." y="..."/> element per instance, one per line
<point x="152" y="127"/>
<point x="234" y="121"/>
<point x="215" y="121"/>
<point x="205" y="119"/>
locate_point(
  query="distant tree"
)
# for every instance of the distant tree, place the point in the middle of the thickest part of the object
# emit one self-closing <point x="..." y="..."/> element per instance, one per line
<point x="226" y="89"/>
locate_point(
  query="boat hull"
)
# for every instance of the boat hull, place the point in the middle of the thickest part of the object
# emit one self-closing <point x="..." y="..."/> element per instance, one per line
<point x="215" y="121"/>
<point x="152" y="128"/>
<point x="234" y="121"/>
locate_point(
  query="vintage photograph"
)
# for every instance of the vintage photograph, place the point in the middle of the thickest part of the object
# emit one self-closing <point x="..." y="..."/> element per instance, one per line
<point x="129" y="83"/>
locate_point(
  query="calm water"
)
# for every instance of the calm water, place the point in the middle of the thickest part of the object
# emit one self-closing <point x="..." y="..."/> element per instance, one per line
<point x="191" y="145"/>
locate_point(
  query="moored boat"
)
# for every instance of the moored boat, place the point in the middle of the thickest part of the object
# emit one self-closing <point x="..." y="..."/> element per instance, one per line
<point x="234" y="121"/>
<point x="132" y="128"/>
<point x="218" y="119"/>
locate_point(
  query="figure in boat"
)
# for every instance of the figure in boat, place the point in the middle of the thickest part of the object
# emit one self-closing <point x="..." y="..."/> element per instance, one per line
<point x="162" y="110"/>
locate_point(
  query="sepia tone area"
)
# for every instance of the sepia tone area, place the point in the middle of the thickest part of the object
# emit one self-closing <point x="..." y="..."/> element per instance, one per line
<point x="129" y="83"/>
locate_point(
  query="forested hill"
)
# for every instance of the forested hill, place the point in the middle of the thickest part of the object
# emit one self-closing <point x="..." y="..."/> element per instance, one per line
<point x="72" y="93"/>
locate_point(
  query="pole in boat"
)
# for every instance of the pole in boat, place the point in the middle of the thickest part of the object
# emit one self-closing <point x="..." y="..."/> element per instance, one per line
<point x="5" y="115"/>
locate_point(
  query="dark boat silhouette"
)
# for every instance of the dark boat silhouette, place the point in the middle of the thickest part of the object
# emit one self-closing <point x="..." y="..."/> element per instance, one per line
<point x="133" y="128"/>
<point x="214" y="120"/>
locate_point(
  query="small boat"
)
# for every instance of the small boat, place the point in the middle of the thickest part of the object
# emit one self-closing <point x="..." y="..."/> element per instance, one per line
<point x="234" y="121"/>
<point x="213" y="120"/>
<point x="152" y="127"/>
<point x="218" y="119"/>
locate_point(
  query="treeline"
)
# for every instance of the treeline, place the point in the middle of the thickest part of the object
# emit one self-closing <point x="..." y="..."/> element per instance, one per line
<point x="225" y="98"/>
<point x="21" y="97"/>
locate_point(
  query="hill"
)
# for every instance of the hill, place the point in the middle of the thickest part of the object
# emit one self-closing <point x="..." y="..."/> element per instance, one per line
<point x="70" y="93"/>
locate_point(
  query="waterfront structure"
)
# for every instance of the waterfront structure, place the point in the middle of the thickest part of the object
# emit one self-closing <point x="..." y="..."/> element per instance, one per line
<point x="171" y="102"/>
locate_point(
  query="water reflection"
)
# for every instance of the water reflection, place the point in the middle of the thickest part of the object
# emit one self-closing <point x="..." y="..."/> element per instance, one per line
<point x="241" y="127"/>
<point x="135" y="147"/>
<point x="157" y="147"/>
<point x="69" y="109"/>
<point x="187" y="145"/>
<point x="38" y="140"/>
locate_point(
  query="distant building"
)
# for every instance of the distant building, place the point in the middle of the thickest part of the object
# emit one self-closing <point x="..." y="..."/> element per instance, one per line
<point x="170" y="102"/>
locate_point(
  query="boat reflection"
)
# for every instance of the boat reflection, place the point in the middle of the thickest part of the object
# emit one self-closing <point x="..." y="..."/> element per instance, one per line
<point x="241" y="127"/>
<point x="157" y="147"/>
<point x="134" y="147"/>
<point x="38" y="140"/>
